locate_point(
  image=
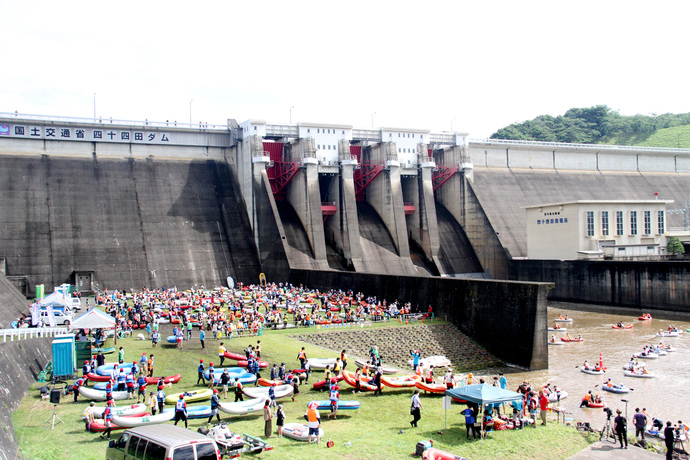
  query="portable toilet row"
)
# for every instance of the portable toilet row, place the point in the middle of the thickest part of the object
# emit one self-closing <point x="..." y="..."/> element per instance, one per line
<point x="64" y="356"/>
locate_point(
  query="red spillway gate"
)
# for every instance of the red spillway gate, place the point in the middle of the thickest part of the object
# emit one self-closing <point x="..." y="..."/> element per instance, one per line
<point x="365" y="174"/>
<point x="442" y="174"/>
<point x="280" y="174"/>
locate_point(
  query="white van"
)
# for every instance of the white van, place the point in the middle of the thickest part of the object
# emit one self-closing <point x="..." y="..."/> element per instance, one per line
<point x="76" y="303"/>
<point x="162" y="442"/>
<point x="62" y="318"/>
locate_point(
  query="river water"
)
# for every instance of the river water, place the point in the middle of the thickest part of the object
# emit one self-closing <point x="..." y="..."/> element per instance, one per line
<point x="666" y="397"/>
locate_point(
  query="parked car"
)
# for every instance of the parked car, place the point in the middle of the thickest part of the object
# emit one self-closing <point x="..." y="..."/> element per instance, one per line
<point x="62" y="318"/>
<point x="162" y="442"/>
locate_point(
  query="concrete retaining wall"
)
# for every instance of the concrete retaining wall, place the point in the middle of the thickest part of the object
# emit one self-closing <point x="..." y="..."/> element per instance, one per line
<point x="508" y="318"/>
<point x="20" y="364"/>
<point x="644" y="285"/>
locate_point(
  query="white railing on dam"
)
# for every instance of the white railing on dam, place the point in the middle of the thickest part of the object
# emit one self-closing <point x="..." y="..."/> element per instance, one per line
<point x="564" y="145"/>
<point x="111" y="121"/>
<point x="30" y="333"/>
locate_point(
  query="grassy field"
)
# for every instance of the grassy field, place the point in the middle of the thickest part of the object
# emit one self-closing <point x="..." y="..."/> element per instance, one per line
<point x="374" y="431"/>
<point x="676" y="137"/>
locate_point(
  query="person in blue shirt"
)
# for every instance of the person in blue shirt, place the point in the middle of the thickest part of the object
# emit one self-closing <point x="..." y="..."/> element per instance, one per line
<point x="215" y="404"/>
<point x="502" y="381"/>
<point x="415" y="359"/>
<point x="470" y="420"/>
<point x="274" y="372"/>
<point x="202" y="337"/>
<point x="200" y="370"/>
<point x="75" y="388"/>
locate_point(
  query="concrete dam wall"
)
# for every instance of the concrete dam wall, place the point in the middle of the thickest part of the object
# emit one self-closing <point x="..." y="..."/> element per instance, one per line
<point x="131" y="222"/>
<point x="508" y="318"/>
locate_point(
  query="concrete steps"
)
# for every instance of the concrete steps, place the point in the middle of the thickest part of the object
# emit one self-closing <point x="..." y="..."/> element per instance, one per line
<point x="395" y="343"/>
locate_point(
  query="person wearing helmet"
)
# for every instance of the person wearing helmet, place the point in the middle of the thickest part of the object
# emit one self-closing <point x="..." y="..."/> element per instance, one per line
<point x="215" y="404"/>
<point x="181" y="410"/>
<point x="200" y="370"/>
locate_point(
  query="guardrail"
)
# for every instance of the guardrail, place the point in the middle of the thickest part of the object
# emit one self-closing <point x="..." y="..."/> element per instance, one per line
<point x="100" y="120"/>
<point x="31" y="333"/>
<point x="563" y="145"/>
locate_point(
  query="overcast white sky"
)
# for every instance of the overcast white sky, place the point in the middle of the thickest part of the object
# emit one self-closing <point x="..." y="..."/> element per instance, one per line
<point x="476" y="66"/>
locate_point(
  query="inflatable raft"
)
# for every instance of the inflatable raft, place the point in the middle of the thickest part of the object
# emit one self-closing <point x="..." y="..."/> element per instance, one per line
<point x="667" y="334"/>
<point x="167" y="380"/>
<point x="171" y="339"/>
<point x="596" y="405"/>
<point x="244" y="377"/>
<point x="616" y="388"/>
<point x="349" y="377"/>
<point x="592" y="371"/>
<point x="386" y="370"/>
<point x="107" y="369"/>
<point x="193" y="411"/>
<point x="436" y="361"/>
<point x="342" y="405"/>
<point x="625" y="326"/>
<point x="129" y="422"/>
<point x="323" y="384"/>
<point x="566" y="339"/>
<point x="551" y="342"/>
<point x="320" y="363"/>
<point x="407" y="381"/>
<point x="639" y="374"/>
<point x="563" y="320"/>
<point x="558" y="329"/>
<point x="243" y="407"/>
<point x="99" y="425"/>
<point x="134" y="409"/>
<point x="554" y="396"/>
<point x="105" y="351"/>
<point x="281" y="391"/>
<point x="438" y="388"/>
<point x="190" y="396"/>
<point x="298" y="431"/>
<point x="646" y="355"/>
<point x="99" y="395"/>
<point x="436" y="454"/>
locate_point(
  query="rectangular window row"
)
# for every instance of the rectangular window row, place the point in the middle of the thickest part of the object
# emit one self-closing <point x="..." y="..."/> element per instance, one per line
<point x="325" y="131"/>
<point x="620" y="230"/>
<point x="400" y="150"/>
<point x="325" y="147"/>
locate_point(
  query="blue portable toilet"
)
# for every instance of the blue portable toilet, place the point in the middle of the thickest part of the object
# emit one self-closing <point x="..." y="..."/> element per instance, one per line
<point x="64" y="356"/>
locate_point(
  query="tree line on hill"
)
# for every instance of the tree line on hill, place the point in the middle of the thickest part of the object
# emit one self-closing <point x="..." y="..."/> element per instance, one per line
<point x="588" y="125"/>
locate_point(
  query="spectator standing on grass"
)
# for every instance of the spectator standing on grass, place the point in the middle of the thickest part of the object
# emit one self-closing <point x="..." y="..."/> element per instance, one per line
<point x="202" y="337"/>
<point x="221" y="353"/>
<point x="268" y="419"/>
<point x="415" y="408"/>
<point x="200" y="371"/>
<point x="415" y="359"/>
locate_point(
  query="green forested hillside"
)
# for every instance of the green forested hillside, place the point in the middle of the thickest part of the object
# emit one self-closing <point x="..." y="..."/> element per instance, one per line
<point x="601" y="124"/>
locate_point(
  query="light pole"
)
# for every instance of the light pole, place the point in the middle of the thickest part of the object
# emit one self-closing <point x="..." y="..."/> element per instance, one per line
<point x="190" y="111"/>
<point x="94" y="106"/>
<point x="678" y="140"/>
<point x="291" y="113"/>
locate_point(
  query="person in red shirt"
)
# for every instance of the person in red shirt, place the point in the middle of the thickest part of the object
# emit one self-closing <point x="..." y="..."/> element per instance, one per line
<point x="543" y="405"/>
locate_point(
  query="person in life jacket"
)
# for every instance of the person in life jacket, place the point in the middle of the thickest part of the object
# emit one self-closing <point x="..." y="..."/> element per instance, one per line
<point x="181" y="411"/>
<point x="334" y="397"/>
<point x="107" y="418"/>
<point x="200" y="376"/>
<point x="238" y="390"/>
<point x="75" y="388"/>
<point x="141" y="382"/>
<point x="215" y="404"/>
<point x="314" y="422"/>
<point x="586" y="399"/>
<point x="85" y="369"/>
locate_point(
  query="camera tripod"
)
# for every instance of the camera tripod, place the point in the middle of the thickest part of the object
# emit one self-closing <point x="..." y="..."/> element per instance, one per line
<point x="52" y="418"/>
<point x="607" y="432"/>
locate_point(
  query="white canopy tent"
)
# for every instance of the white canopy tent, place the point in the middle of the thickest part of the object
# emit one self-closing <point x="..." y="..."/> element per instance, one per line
<point x="93" y="319"/>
